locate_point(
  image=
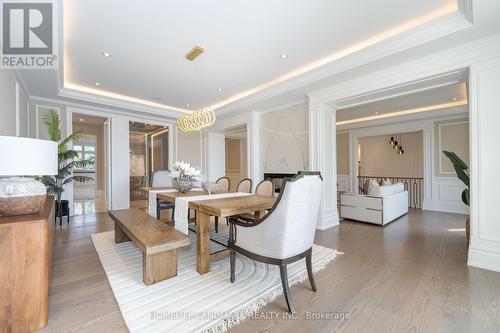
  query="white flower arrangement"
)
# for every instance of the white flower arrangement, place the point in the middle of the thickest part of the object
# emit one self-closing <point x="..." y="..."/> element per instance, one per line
<point x="184" y="171"/>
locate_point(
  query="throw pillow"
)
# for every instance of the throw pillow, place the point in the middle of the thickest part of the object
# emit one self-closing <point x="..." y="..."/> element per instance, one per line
<point x="373" y="188"/>
<point x="365" y="186"/>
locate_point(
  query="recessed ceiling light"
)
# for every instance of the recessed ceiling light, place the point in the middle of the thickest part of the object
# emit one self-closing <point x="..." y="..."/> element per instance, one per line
<point x="81" y="119"/>
<point x="106" y="54"/>
<point x="188" y="105"/>
<point x="97" y="84"/>
<point x="454" y="98"/>
<point x="376" y="112"/>
<point x="220" y="89"/>
<point x="284" y="56"/>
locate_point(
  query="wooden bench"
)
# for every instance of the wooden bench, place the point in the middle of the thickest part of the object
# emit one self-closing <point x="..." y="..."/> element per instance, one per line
<point x="158" y="242"/>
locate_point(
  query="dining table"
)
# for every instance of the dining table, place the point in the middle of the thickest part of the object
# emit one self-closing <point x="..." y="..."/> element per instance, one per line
<point x="231" y="204"/>
<point x="222" y="207"/>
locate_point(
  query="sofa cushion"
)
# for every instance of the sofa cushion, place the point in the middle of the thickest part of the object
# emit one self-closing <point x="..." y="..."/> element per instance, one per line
<point x="385" y="182"/>
<point x="391" y="189"/>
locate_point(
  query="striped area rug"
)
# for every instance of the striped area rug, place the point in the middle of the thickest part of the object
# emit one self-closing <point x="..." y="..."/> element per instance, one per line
<point x="191" y="302"/>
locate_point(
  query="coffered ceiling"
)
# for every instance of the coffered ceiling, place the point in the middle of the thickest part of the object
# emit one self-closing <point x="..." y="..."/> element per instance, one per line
<point x="134" y="50"/>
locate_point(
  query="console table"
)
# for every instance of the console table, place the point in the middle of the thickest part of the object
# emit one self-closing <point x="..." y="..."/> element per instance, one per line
<point x="25" y="268"/>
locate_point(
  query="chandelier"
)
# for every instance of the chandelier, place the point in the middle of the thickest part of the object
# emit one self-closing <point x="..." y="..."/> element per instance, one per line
<point x="397" y="145"/>
<point x="197" y="120"/>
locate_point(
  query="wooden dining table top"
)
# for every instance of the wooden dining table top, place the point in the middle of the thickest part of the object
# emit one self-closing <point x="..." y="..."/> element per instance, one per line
<point x="230" y="206"/>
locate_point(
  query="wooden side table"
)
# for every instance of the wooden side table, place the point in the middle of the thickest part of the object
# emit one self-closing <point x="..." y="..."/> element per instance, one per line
<point x="25" y="268"/>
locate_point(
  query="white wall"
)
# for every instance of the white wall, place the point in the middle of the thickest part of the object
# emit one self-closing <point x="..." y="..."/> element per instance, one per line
<point x="284" y="145"/>
<point x="379" y="158"/>
<point x="22" y="106"/>
<point x="13" y="106"/>
<point x="451" y="135"/>
<point x="189" y="149"/>
<point x="8" y="103"/>
<point x="37" y="110"/>
<point x="484" y="250"/>
<point x="214" y="146"/>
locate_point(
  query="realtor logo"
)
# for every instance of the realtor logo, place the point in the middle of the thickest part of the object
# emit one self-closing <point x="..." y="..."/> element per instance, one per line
<point x="28" y="35"/>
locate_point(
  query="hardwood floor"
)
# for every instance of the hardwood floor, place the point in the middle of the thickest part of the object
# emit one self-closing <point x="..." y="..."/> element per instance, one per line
<point x="409" y="276"/>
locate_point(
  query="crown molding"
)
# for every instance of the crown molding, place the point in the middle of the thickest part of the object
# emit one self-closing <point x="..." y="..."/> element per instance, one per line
<point x="119" y="103"/>
<point x="429" y="83"/>
<point x="452" y="59"/>
<point x="104" y="110"/>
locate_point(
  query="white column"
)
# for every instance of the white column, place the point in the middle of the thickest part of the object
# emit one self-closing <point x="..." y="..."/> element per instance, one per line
<point x="253" y="148"/>
<point x="216" y="155"/>
<point x="120" y="169"/>
<point x="484" y="87"/>
<point x="323" y="158"/>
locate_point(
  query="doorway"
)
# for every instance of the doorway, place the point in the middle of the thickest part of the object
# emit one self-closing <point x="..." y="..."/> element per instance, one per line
<point x="236" y="155"/>
<point x="148" y="152"/>
<point x="90" y="197"/>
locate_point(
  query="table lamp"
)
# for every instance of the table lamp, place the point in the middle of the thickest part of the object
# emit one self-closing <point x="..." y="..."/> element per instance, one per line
<point x="22" y="159"/>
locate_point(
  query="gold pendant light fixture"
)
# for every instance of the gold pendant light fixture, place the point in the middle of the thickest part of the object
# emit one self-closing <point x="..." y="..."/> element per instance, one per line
<point x="202" y="118"/>
<point x="197" y="120"/>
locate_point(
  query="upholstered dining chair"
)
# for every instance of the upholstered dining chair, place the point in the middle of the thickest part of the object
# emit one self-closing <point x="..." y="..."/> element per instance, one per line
<point x="224" y="184"/>
<point x="264" y="188"/>
<point x="285" y="234"/>
<point x="245" y="186"/>
<point x="224" y="187"/>
<point x="161" y="178"/>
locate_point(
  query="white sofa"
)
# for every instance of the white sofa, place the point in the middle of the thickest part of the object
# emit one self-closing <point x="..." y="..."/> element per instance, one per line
<point x="390" y="203"/>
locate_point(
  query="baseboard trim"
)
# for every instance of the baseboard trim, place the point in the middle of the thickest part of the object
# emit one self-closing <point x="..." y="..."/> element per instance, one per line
<point x="484" y="259"/>
<point x="327" y="221"/>
<point x="445" y="207"/>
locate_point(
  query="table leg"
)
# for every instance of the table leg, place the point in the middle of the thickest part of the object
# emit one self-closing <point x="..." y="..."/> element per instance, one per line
<point x="202" y="242"/>
<point x="259" y="214"/>
<point x="120" y="236"/>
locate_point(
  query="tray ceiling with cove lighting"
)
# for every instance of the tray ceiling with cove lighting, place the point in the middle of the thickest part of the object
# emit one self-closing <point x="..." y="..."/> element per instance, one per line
<point x="248" y="46"/>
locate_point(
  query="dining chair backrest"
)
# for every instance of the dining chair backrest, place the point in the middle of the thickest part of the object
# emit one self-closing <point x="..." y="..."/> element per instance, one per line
<point x="289" y="228"/>
<point x="161" y="178"/>
<point x="224" y="184"/>
<point x="244" y="186"/>
<point x="265" y="188"/>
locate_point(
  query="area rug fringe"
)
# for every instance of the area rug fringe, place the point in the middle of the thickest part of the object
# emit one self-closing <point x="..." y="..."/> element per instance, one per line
<point x="224" y="324"/>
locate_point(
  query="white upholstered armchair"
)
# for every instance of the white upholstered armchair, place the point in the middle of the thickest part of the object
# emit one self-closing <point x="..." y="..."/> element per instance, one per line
<point x="286" y="233"/>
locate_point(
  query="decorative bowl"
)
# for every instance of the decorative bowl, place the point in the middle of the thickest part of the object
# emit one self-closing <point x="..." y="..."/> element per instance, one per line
<point x="182" y="185"/>
<point x="210" y="187"/>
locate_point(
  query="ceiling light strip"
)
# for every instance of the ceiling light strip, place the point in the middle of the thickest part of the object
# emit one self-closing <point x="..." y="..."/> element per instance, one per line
<point x="404" y="112"/>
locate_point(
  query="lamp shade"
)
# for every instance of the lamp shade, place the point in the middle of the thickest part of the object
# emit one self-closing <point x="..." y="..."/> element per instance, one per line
<point x="27" y="157"/>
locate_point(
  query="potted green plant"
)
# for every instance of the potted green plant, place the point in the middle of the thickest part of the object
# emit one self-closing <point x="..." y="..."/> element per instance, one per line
<point x="462" y="170"/>
<point x="67" y="160"/>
